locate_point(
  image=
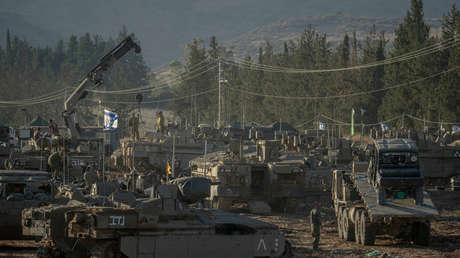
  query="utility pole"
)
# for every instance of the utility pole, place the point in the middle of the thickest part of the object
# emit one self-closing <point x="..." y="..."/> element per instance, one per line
<point x="221" y="101"/>
<point x="220" y="96"/>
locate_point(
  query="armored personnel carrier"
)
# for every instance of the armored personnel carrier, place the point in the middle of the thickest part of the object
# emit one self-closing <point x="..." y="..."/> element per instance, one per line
<point x="255" y="175"/>
<point x="440" y="163"/>
<point x="20" y="189"/>
<point x="28" y="159"/>
<point x="159" y="227"/>
<point x="385" y="197"/>
<point x="152" y="154"/>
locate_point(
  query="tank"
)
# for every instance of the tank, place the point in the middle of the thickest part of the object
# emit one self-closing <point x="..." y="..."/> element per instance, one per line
<point x="159" y="227"/>
<point x="21" y="189"/>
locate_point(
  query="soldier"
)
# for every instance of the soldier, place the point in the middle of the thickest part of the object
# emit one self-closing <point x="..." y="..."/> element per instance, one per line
<point x="315" y="225"/>
<point x="53" y="128"/>
<point x="132" y="178"/>
<point x="90" y="177"/>
<point x="160" y="122"/>
<point x="134" y="124"/>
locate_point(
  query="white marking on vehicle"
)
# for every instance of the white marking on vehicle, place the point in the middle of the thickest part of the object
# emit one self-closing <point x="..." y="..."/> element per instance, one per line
<point x="261" y="243"/>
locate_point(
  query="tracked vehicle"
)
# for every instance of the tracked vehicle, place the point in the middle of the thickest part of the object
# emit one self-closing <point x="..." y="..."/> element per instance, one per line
<point x="20" y="189"/>
<point x="259" y="176"/>
<point x="384" y="196"/>
<point x="159" y="227"/>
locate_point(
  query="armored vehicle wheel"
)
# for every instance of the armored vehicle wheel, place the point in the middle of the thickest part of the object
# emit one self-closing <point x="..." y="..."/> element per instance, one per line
<point x="339" y="223"/>
<point x="367" y="230"/>
<point x="357" y="226"/>
<point x="287" y="250"/>
<point x="348" y="227"/>
<point x="421" y="233"/>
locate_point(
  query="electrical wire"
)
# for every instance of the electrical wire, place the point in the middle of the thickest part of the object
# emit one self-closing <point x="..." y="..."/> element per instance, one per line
<point x="187" y="75"/>
<point x="406" y="84"/>
<point x="431" y="122"/>
<point x="440" y="46"/>
<point x="39" y="98"/>
<point x="161" y="100"/>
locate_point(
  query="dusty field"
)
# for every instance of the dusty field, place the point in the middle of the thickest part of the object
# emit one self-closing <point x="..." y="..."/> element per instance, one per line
<point x="445" y="233"/>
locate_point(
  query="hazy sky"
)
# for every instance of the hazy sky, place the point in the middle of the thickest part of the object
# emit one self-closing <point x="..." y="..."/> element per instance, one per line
<point x="165" y="26"/>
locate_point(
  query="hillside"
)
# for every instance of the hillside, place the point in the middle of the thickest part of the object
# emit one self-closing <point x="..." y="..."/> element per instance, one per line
<point x="334" y="26"/>
<point x="23" y="29"/>
<point x="164" y="27"/>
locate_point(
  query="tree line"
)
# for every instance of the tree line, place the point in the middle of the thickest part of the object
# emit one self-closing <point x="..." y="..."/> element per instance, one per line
<point x="253" y="91"/>
<point x="434" y="98"/>
<point x="29" y="72"/>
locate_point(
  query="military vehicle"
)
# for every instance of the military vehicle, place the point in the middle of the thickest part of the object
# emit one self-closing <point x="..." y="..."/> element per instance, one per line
<point x="4" y="145"/>
<point x="152" y="154"/>
<point x="440" y="163"/>
<point x="384" y="197"/>
<point x="20" y="189"/>
<point x="159" y="227"/>
<point x="143" y="156"/>
<point x="28" y="159"/>
<point x="253" y="175"/>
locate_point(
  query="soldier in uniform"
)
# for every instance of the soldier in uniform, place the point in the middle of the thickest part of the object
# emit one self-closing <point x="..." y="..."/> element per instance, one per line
<point x="315" y="225"/>
<point x="134" y="123"/>
<point x="160" y="122"/>
<point x="53" y="128"/>
<point x="132" y="178"/>
<point x="90" y="177"/>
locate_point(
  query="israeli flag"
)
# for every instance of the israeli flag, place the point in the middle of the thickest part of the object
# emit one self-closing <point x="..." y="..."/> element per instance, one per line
<point x="110" y="120"/>
<point x="456" y="129"/>
<point x="322" y="126"/>
<point x="12" y="132"/>
<point x="384" y="127"/>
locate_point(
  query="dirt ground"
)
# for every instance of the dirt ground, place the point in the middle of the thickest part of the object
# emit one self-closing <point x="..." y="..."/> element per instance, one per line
<point x="445" y="232"/>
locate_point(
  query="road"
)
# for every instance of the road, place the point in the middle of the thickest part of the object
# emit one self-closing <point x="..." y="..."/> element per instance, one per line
<point x="445" y="233"/>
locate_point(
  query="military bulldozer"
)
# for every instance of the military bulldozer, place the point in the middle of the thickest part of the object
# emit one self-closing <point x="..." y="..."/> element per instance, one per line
<point x="159" y="227"/>
<point x="394" y="170"/>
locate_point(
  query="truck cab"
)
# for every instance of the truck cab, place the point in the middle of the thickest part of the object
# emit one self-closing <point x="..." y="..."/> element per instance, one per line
<point x="394" y="170"/>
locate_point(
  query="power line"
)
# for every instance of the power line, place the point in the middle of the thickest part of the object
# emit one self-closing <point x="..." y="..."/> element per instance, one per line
<point x="162" y="100"/>
<point x="406" y="84"/>
<point x="405" y="57"/>
<point x="188" y="75"/>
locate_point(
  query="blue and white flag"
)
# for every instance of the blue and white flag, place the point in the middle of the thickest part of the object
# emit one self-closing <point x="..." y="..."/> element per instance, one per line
<point x="110" y="120"/>
<point x="456" y="129"/>
<point x="322" y="126"/>
<point x="12" y="132"/>
<point x="384" y="127"/>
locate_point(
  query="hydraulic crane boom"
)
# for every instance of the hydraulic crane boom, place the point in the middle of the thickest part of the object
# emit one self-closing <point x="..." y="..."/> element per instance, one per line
<point x="94" y="77"/>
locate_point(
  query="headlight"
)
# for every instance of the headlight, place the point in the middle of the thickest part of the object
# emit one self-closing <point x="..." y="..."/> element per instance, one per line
<point x="221" y="169"/>
<point x="457" y="154"/>
<point x="413" y="158"/>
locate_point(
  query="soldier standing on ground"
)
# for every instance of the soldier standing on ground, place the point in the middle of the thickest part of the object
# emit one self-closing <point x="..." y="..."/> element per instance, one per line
<point x="160" y="122"/>
<point x="315" y="225"/>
